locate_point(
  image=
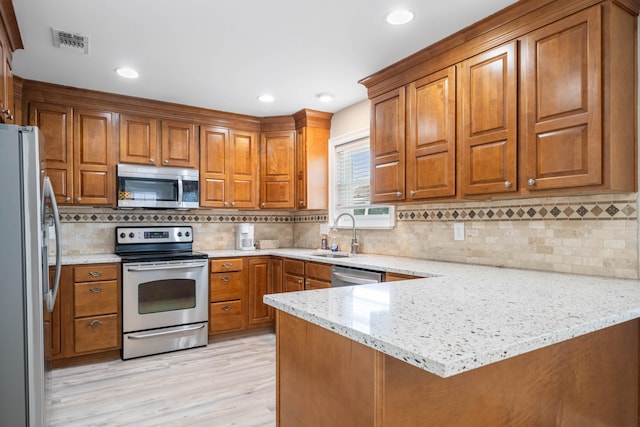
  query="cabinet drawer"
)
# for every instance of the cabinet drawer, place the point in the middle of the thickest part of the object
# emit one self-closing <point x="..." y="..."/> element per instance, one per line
<point x="293" y="283"/>
<point x="225" y="286"/>
<point x="292" y="266"/>
<point x="223" y="265"/>
<point x="225" y="316"/>
<point x="96" y="333"/>
<point x="95" y="298"/>
<point x="318" y="271"/>
<point x="95" y="272"/>
<point x="311" y="284"/>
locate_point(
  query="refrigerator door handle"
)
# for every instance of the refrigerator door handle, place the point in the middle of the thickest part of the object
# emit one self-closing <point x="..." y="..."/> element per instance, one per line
<point x="47" y="193"/>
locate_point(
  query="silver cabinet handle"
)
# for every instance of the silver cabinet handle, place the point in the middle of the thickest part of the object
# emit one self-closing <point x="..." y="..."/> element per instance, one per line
<point x="152" y="160"/>
<point x="233" y="203"/>
<point x="399" y="194"/>
<point x="227" y="265"/>
<point x="79" y="199"/>
<point x="226" y="279"/>
<point x="507" y="184"/>
<point x="96" y="289"/>
<point x="307" y="283"/>
<point x="301" y="202"/>
<point x="67" y="199"/>
<point x="299" y="281"/>
<point x="95" y="323"/>
<point x="531" y="181"/>
<point x="95" y="273"/>
<point x="263" y="205"/>
<point x="166" y="162"/>
<point x="226" y="204"/>
<point x="412" y="193"/>
<point x="226" y="308"/>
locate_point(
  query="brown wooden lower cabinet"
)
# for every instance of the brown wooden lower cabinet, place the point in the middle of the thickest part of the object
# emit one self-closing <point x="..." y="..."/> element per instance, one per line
<point x="396" y="277"/>
<point x="227" y="295"/>
<point x="86" y="322"/>
<point x="588" y="380"/>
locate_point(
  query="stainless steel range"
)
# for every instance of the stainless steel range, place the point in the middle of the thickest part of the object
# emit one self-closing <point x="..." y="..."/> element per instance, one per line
<point x="164" y="290"/>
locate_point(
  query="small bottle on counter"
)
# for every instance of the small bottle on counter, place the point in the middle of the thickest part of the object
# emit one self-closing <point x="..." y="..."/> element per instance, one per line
<point x="323" y="245"/>
<point x="334" y="244"/>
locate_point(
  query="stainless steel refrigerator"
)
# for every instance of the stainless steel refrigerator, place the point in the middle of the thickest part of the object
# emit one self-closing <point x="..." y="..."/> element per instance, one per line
<point x="27" y="205"/>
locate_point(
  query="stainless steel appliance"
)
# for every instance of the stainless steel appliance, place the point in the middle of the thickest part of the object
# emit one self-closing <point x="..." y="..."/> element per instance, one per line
<point x="24" y="284"/>
<point x="347" y="276"/>
<point x="151" y="187"/>
<point x="164" y="290"/>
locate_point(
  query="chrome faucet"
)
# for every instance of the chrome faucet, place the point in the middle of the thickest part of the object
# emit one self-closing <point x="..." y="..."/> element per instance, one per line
<point x="354" y="238"/>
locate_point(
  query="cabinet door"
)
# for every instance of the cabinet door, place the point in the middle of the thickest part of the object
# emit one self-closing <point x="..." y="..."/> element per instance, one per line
<point x="277" y="275"/>
<point x="179" y="144"/>
<point x="431" y="136"/>
<point x="488" y="84"/>
<point x="260" y="284"/>
<point x="94" y="167"/>
<point x="56" y="135"/>
<point x="139" y="140"/>
<point x="301" y="168"/>
<point x="388" y="146"/>
<point x="277" y="170"/>
<point x="563" y="91"/>
<point x="243" y="162"/>
<point x="293" y="283"/>
<point x="52" y="326"/>
<point x="214" y="166"/>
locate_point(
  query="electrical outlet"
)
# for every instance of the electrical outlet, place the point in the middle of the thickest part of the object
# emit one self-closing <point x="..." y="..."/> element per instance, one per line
<point x="458" y="231"/>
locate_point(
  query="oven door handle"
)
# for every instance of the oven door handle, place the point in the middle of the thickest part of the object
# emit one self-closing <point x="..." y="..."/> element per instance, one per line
<point x="167" y="267"/>
<point x="155" y="334"/>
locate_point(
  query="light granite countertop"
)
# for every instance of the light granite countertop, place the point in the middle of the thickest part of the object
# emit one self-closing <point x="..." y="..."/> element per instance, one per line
<point x="463" y="316"/>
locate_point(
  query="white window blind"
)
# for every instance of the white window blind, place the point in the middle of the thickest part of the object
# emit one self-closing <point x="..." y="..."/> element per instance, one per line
<point x="352" y="175"/>
<point x="350" y="189"/>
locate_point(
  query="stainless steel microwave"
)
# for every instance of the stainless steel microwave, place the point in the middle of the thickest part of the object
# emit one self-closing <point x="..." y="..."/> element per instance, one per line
<point x="158" y="188"/>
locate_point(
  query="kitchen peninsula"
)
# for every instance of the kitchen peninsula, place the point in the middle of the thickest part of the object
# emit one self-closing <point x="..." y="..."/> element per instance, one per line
<point x="471" y="345"/>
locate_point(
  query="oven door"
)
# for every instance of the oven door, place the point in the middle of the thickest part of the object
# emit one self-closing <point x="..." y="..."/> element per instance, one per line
<point x="161" y="294"/>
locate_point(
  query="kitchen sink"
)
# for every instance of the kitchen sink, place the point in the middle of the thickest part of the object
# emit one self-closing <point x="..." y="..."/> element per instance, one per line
<point x="332" y="255"/>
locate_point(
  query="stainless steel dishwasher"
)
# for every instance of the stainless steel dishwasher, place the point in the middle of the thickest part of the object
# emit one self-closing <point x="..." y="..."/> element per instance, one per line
<point x="347" y="276"/>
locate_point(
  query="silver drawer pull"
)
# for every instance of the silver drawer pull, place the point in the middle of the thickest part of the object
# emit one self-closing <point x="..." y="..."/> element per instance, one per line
<point x="95" y="323"/>
<point x="226" y="308"/>
<point x="227" y="265"/>
<point x="95" y="289"/>
<point x="95" y="273"/>
<point x="226" y="279"/>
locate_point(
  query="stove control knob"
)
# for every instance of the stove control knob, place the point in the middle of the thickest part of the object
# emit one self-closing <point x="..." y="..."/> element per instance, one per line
<point x="179" y="233"/>
<point x="131" y="235"/>
<point x="122" y="235"/>
<point x="187" y="234"/>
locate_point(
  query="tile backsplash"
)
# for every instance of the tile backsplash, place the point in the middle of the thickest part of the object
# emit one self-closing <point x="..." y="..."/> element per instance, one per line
<point x="595" y="235"/>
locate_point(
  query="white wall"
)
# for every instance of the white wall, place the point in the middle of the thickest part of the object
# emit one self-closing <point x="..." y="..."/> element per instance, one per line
<point x="352" y="118"/>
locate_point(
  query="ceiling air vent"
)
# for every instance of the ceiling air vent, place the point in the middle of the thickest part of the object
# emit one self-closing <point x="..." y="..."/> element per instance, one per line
<point x="72" y="41"/>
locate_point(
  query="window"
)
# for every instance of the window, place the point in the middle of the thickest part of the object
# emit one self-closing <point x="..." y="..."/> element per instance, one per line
<point x="349" y="184"/>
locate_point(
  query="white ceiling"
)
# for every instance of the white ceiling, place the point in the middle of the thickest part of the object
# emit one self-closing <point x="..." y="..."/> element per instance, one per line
<point x="222" y="54"/>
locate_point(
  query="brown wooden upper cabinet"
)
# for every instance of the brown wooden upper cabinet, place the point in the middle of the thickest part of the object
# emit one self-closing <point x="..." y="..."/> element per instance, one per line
<point x="175" y="144"/>
<point x="388" y="146"/>
<point x="488" y="98"/>
<point x="431" y="136"/>
<point x="78" y="147"/>
<point x="277" y="170"/>
<point x="312" y="162"/>
<point x="56" y="134"/>
<point x="228" y="168"/>
<point x="534" y="108"/>
<point x="139" y="140"/>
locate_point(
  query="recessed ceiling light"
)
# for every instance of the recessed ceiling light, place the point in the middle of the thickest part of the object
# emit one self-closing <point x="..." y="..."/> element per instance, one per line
<point x="266" y="98"/>
<point x="127" y="73"/>
<point x="325" y="96"/>
<point x="399" y="17"/>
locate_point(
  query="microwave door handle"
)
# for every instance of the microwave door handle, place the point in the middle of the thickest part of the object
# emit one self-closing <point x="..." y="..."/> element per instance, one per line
<point x="180" y="190"/>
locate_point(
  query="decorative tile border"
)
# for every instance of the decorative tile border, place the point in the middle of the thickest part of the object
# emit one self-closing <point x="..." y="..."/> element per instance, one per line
<point x="525" y="210"/>
<point x="112" y="216"/>
<point x="620" y="209"/>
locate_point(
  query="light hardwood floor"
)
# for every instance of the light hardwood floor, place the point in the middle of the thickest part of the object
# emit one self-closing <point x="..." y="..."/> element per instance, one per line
<point x="227" y="383"/>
